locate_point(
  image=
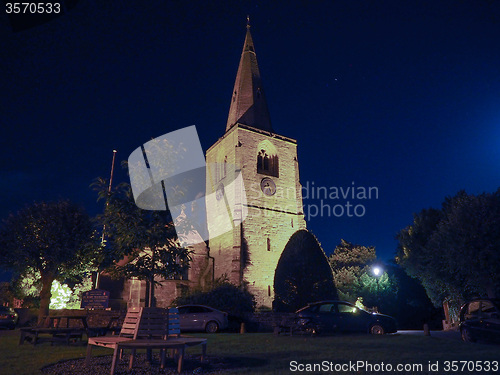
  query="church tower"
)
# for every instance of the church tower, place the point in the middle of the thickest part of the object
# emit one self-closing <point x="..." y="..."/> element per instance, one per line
<point x="254" y="174"/>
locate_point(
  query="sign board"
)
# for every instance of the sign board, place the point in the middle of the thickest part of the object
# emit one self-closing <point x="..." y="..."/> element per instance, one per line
<point x="95" y="299"/>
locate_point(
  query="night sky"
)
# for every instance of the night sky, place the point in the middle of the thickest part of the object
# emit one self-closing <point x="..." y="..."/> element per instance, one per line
<point x="399" y="95"/>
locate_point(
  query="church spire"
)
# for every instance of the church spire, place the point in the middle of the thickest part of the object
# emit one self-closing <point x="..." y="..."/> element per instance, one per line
<point x="248" y="103"/>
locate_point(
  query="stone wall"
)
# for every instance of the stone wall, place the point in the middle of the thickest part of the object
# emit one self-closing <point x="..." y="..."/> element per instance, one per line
<point x="250" y="252"/>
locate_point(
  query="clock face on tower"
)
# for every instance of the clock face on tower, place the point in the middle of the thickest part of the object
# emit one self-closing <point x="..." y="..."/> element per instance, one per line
<point x="268" y="186"/>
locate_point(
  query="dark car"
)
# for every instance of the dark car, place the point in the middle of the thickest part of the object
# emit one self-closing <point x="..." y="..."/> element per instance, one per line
<point x="201" y="318"/>
<point x="340" y="316"/>
<point x="8" y="317"/>
<point x="480" y="320"/>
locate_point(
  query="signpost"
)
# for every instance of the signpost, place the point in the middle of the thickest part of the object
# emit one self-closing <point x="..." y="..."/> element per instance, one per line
<point x="95" y="299"/>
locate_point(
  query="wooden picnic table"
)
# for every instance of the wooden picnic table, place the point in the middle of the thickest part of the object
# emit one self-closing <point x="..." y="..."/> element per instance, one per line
<point x="52" y="326"/>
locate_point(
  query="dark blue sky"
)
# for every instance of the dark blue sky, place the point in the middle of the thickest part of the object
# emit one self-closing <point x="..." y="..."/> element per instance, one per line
<point x="399" y="95"/>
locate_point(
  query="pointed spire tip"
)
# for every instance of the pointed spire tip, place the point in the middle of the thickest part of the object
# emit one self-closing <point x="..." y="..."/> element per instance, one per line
<point x="248" y="103"/>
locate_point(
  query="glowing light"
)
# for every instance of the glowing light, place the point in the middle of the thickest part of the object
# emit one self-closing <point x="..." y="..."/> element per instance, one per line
<point x="60" y="295"/>
<point x="377" y="271"/>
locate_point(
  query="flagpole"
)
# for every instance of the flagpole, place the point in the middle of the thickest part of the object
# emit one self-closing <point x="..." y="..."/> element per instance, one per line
<point x="97" y="279"/>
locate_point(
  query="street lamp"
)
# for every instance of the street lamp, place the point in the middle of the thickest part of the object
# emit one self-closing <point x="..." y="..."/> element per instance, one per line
<point x="377" y="271"/>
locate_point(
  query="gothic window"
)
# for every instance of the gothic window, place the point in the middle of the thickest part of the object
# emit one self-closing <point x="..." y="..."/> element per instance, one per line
<point x="268" y="244"/>
<point x="260" y="160"/>
<point x="267" y="164"/>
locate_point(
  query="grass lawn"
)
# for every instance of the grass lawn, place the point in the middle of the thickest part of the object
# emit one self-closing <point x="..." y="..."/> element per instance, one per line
<point x="262" y="353"/>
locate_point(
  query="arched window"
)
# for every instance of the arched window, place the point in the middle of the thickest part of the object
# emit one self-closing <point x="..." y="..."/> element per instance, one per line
<point x="267" y="159"/>
<point x="262" y="161"/>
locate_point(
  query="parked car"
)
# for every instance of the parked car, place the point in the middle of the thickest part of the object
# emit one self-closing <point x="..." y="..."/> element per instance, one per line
<point x="480" y="320"/>
<point x="202" y="318"/>
<point x="340" y="316"/>
<point x="8" y="317"/>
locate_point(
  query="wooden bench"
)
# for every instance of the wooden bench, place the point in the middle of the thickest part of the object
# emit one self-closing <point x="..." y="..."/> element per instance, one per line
<point x="148" y="328"/>
<point x="129" y="331"/>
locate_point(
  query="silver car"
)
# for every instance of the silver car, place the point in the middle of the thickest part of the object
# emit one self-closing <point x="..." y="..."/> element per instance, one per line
<point x="202" y="318"/>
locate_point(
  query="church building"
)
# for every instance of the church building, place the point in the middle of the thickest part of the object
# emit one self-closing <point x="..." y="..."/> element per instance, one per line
<point x="264" y="213"/>
<point x="269" y="168"/>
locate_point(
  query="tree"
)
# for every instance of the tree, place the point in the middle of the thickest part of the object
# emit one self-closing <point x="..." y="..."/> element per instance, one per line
<point x="56" y="239"/>
<point x="348" y="263"/>
<point x="147" y="239"/>
<point x="303" y="274"/>
<point x="455" y="251"/>
<point x="469" y="239"/>
<point x="419" y="260"/>
<point x="352" y="273"/>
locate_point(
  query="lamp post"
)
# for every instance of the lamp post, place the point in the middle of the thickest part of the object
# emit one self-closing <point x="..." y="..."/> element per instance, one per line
<point x="98" y="273"/>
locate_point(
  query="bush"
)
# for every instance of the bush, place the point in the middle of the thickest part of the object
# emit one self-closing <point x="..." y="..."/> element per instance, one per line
<point x="303" y="274"/>
<point x="224" y="296"/>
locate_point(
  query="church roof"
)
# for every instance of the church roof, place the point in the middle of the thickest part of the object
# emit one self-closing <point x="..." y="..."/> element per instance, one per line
<point x="248" y="102"/>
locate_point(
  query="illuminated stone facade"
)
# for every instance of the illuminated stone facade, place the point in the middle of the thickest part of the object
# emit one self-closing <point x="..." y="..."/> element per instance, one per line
<point x="250" y="252"/>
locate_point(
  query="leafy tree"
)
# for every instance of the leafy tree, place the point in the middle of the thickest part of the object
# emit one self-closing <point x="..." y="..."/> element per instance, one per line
<point x="146" y="239"/>
<point x="469" y="239"/>
<point x="378" y="291"/>
<point x="352" y="273"/>
<point x="55" y="239"/>
<point x="455" y="251"/>
<point x="419" y="259"/>
<point x="303" y="274"/>
<point x="27" y="287"/>
<point x="348" y="263"/>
